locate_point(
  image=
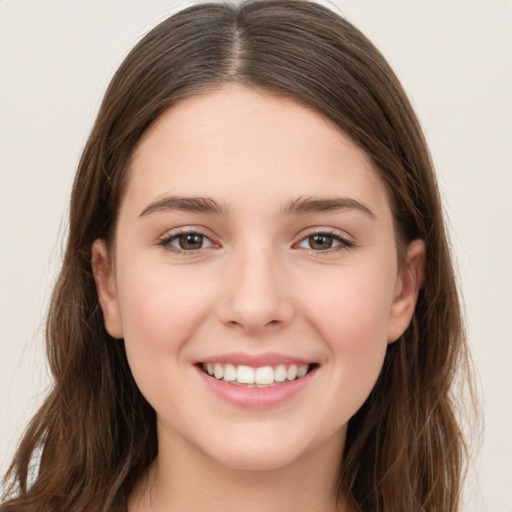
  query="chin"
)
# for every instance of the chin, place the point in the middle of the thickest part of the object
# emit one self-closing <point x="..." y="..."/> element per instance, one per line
<point x="261" y="451"/>
<point x="257" y="460"/>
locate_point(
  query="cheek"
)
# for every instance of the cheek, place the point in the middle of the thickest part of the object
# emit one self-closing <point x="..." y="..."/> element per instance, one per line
<point x="352" y="306"/>
<point x="159" y="303"/>
<point x="351" y="312"/>
<point x="160" y="313"/>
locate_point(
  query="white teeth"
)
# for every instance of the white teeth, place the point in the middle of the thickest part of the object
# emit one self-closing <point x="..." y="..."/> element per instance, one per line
<point x="264" y="375"/>
<point x="261" y="377"/>
<point x="291" y="374"/>
<point x="218" y="371"/>
<point x="280" y="373"/>
<point x="245" y="375"/>
<point x="302" y="370"/>
<point x="229" y="373"/>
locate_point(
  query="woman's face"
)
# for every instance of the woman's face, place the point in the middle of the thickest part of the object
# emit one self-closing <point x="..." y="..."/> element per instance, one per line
<point x="254" y="241"/>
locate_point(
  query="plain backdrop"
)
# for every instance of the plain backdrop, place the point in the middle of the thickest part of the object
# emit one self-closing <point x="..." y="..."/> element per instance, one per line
<point x="454" y="58"/>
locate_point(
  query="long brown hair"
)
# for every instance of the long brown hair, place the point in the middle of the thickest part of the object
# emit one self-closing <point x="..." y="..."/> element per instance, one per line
<point x="95" y="434"/>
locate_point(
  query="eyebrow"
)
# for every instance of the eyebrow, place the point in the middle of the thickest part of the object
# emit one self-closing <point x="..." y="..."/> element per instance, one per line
<point x="303" y="205"/>
<point x="188" y="204"/>
<point x="299" y="206"/>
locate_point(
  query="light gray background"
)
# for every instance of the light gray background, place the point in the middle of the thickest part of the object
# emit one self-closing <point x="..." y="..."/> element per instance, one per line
<point x="454" y="58"/>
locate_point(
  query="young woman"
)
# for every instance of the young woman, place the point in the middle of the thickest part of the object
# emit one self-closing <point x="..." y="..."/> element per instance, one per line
<point x="256" y="308"/>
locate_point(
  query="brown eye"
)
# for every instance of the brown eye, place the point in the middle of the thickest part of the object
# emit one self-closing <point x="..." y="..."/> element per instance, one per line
<point x="184" y="242"/>
<point x="325" y="241"/>
<point x="190" y="241"/>
<point x="320" y="242"/>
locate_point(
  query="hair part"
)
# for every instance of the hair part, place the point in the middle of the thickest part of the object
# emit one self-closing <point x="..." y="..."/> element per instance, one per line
<point x="96" y="432"/>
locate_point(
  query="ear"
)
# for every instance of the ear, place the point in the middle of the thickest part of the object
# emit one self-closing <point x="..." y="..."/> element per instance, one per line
<point x="407" y="288"/>
<point x="104" y="277"/>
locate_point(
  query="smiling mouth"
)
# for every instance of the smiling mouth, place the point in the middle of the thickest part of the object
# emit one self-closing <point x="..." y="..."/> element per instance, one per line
<point x="261" y="377"/>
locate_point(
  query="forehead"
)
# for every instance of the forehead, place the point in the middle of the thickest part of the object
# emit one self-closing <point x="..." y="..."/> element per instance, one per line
<point x="237" y="144"/>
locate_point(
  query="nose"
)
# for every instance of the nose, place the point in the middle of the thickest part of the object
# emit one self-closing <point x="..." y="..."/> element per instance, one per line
<point x="255" y="297"/>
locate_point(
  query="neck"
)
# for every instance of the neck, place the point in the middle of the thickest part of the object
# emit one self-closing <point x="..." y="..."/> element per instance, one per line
<point x="183" y="478"/>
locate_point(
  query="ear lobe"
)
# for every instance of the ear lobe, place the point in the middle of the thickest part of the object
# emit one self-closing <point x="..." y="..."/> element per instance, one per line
<point x="103" y="271"/>
<point x="408" y="285"/>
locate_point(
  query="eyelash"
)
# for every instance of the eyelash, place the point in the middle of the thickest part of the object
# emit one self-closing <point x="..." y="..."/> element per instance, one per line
<point x="344" y="242"/>
<point x="165" y="242"/>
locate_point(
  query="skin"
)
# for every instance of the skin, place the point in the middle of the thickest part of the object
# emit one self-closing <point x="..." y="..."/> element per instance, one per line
<point x="259" y="283"/>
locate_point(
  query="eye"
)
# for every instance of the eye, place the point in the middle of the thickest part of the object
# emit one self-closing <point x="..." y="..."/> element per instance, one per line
<point x="325" y="241"/>
<point x="188" y="241"/>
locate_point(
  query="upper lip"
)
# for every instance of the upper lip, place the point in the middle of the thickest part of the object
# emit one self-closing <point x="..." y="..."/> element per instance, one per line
<point x="254" y="360"/>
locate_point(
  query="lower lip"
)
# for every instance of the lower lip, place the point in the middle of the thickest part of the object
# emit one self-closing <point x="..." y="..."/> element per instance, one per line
<point x="256" y="397"/>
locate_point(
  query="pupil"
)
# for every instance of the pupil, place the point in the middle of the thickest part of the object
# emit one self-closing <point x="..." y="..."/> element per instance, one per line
<point x="191" y="241"/>
<point x="321" y="242"/>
